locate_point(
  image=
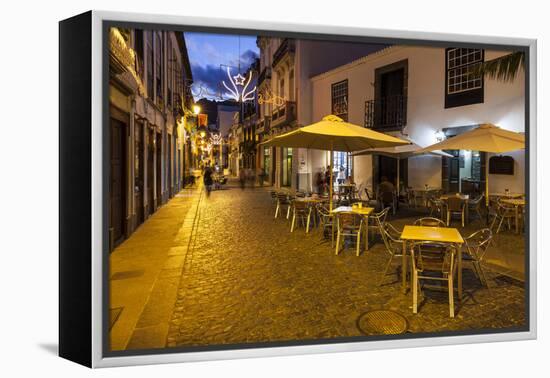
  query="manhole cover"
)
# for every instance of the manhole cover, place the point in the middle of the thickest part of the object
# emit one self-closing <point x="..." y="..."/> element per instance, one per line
<point x="382" y="322"/>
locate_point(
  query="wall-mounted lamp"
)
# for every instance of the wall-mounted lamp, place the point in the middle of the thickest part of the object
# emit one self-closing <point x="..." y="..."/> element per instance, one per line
<point x="439" y="135"/>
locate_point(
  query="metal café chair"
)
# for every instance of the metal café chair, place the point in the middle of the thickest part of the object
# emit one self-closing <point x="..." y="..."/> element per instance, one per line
<point x="348" y="224"/>
<point x="503" y="213"/>
<point x="326" y="222"/>
<point x="283" y="199"/>
<point x="436" y="206"/>
<point x="371" y="198"/>
<point x="455" y="205"/>
<point x="476" y="247"/>
<point x="393" y="245"/>
<point x="430" y="265"/>
<point x="273" y="196"/>
<point x="302" y="211"/>
<point x="474" y="206"/>
<point x="429" y="222"/>
<point x="377" y="221"/>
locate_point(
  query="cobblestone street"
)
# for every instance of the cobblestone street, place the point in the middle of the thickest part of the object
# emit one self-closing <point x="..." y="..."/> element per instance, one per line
<point x="246" y="278"/>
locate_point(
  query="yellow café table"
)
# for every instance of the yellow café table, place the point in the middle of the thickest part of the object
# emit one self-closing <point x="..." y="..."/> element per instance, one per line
<point x="423" y="191"/>
<point x="506" y="194"/>
<point x="517" y="203"/>
<point x="435" y="234"/>
<point x="361" y="211"/>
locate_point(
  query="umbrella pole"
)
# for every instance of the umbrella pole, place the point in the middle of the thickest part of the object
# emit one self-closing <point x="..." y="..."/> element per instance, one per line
<point x="487" y="184"/>
<point x="397" y="179"/>
<point x="330" y="184"/>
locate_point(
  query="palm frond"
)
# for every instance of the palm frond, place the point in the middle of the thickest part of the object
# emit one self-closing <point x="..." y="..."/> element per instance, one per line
<point x="504" y="68"/>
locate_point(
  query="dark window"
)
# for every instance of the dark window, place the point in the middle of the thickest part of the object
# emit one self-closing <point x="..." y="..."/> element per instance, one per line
<point x="462" y="85"/>
<point x="138" y="47"/>
<point x="339" y="95"/>
<point x="150" y="63"/>
<point x="158" y="67"/>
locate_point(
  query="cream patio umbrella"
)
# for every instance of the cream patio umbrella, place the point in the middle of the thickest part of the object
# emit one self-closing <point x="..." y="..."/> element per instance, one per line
<point x="334" y="134"/>
<point x="484" y="138"/>
<point x="400" y="152"/>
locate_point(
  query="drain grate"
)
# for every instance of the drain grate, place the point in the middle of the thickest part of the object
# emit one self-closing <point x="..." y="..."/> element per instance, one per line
<point x="382" y="322"/>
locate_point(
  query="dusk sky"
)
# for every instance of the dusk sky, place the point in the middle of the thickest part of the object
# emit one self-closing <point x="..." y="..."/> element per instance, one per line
<point x="207" y="52"/>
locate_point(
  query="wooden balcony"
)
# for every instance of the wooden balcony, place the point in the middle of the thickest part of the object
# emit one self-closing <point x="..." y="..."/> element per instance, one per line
<point x="284" y="115"/>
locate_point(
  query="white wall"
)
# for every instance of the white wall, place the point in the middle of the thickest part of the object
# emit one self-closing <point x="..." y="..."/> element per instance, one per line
<point x="503" y="105"/>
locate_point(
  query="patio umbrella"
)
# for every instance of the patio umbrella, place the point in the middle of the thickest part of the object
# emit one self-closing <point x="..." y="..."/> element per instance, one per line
<point x="334" y="134"/>
<point x="400" y="152"/>
<point x="485" y="138"/>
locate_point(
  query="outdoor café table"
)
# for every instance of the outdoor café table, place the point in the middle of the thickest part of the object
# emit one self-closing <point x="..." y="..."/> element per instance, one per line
<point x="362" y="211"/>
<point x="506" y="194"/>
<point x="435" y="234"/>
<point x="346" y="190"/>
<point x="424" y="192"/>
<point x="517" y="203"/>
<point x="465" y="198"/>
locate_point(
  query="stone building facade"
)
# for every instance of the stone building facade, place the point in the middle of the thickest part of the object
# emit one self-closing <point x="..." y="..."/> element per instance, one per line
<point x="150" y="157"/>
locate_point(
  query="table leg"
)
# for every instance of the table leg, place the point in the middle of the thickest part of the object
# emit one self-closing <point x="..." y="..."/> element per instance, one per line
<point x="404" y="268"/>
<point x="459" y="283"/>
<point x="517" y="220"/>
<point x="366" y="233"/>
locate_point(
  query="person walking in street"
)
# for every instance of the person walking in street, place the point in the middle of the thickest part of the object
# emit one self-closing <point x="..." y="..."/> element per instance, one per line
<point x="207" y="178"/>
<point x="242" y="177"/>
<point x="341" y="175"/>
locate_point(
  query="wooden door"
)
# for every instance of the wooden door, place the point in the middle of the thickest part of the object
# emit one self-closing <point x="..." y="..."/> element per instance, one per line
<point x="158" y="179"/>
<point x="150" y="171"/>
<point x="170" y="164"/>
<point x="450" y="172"/>
<point x="139" y="172"/>
<point x="117" y="181"/>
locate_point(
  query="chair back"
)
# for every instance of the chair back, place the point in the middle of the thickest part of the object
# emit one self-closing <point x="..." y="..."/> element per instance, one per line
<point x="282" y="197"/>
<point x="381" y="216"/>
<point x="348" y="219"/>
<point x="322" y="210"/>
<point x="432" y="256"/>
<point x="455" y="204"/>
<point x="504" y="210"/>
<point x="392" y="239"/>
<point x="299" y="205"/>
<point x="478" y="243"/>
<point x="429" y="222"/>
<point x="370" y="195"/>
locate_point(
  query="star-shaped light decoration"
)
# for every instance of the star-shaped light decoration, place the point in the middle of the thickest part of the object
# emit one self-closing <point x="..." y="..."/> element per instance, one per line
<point x="239" y="91"/>
<point x="239" y="79"/>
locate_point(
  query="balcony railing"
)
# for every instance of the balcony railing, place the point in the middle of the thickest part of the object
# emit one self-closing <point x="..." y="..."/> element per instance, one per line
<point x="264" y="75"/>
<point x="386" y="113"/>
<point x="263" y="126"/>
<point x="284" y="115"/>
<point x="286" y="47"/>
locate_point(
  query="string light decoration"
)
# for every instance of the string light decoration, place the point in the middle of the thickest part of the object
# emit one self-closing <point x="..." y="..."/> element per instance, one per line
<point x="267" y="97"/>
<point x="216" y="139"/>
<point x="239" y="92"/>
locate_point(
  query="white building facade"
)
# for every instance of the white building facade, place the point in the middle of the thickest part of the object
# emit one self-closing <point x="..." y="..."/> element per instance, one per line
<point x="284" y="85"/>
<point x="422" y="94"/>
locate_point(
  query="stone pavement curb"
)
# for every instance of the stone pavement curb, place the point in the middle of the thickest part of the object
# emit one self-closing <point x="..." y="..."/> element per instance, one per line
<point x="145" y="323"/>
